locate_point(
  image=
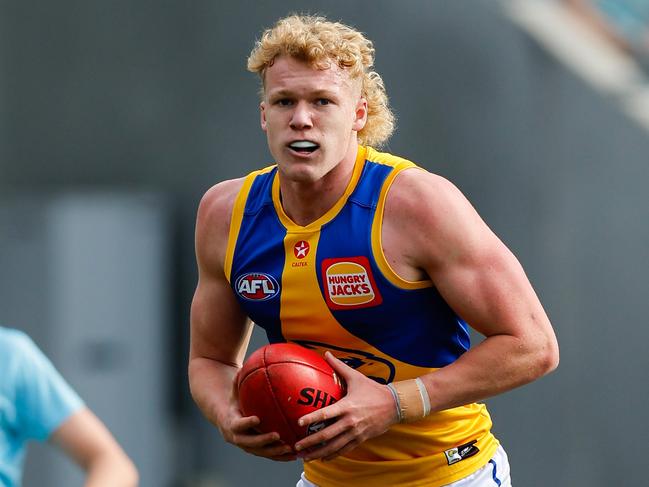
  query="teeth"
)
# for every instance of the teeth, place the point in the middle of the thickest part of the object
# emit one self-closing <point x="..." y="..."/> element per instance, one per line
<point x="303" y="144"/>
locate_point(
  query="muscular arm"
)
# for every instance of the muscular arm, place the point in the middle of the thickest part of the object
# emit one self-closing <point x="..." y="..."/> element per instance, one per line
<point x="87" y="441"/>
<point x="220" y="331"/>
<point x="481" y="280"/>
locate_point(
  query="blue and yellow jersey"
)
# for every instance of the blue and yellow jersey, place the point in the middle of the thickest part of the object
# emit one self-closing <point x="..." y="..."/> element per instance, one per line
<point x="328" y="286"/>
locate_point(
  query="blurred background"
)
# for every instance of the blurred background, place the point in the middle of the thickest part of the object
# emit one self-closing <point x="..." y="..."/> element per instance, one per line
<point x="115" y="118"/>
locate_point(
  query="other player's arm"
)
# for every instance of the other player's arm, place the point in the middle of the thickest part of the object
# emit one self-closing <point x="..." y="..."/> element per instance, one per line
<point x="220" y="331"/>
<point x="86" y="440"/>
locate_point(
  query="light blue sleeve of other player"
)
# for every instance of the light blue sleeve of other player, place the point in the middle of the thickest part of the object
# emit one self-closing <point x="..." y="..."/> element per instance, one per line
<point x="34" y="401"/>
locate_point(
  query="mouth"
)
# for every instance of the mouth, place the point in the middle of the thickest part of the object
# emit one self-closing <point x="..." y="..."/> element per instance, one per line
<point x="303" y="147"/>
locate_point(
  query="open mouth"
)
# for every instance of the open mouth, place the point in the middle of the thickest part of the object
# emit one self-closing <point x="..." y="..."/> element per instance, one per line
<point x="303" y="146"/>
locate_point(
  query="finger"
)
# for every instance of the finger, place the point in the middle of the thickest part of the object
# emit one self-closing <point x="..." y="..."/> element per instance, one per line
<point x="321" y="415"/>
<point x="323" y="436"/>
<point x="275" y="450"/>
<point x="257" y="441"/>
<point x="245" y="423"/>
<point x="340" y="367"/>
<point x="335" y="362"/>
<point x="329" y="449"/>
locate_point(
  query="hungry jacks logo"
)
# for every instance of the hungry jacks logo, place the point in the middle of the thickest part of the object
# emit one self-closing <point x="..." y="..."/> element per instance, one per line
<point x="349" y="283"/>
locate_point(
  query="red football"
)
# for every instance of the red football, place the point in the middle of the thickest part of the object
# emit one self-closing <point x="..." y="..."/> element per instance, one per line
<point x="280" y="383"/>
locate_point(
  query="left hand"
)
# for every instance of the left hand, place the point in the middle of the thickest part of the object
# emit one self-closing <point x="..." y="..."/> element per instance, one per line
<point x="367" y="410"/>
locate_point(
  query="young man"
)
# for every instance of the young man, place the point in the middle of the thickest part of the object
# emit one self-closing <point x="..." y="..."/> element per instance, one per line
<point x="370" y="260"/>
<point x="37" y="404"/>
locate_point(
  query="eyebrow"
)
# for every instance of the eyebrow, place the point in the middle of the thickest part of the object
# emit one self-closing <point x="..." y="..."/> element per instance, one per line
<point x="288" y="93"/>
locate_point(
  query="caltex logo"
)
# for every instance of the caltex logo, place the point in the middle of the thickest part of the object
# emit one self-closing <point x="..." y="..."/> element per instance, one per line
<point x="301" y="249"/>
<point x="256" y="286"/>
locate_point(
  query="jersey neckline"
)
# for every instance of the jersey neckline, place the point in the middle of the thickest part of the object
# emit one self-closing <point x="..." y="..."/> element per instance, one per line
<point x="330" y="214"/>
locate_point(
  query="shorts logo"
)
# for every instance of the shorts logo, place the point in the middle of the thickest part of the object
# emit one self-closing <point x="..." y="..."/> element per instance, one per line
<point x="256" y="286"/>
<point x="301" y="249"/>
<point x="461" y="452"/>
<point x="349" y="283"/>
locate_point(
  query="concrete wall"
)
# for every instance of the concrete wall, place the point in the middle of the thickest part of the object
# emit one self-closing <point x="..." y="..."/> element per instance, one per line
<point x="86" y="275"/>
<point x="155" y="95"/>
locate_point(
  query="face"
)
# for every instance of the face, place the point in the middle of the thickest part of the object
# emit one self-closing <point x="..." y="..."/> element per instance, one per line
<point x="311" y="118"/>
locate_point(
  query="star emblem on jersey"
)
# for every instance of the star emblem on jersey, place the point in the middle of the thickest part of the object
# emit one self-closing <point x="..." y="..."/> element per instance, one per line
<point x="301" y="249"/>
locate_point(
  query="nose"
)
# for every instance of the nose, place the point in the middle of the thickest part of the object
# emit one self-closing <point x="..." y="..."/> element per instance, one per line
<point x="301" y="117"/>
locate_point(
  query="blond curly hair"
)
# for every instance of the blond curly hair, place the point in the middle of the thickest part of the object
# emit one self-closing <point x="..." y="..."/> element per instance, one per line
<point x="318" y="42"/>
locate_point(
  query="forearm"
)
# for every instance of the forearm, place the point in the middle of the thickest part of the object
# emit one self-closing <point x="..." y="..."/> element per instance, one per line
<point x="85" y="438"/>
<point x="498" y="364"/>
<point x="211" y="384"/>
<point x="111" y="471"/>
<point x="213" y="388"/>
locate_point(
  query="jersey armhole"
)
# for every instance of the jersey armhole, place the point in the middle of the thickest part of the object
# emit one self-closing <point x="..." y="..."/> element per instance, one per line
<point x="235" y="221"/>
<point x="377" y="228"/>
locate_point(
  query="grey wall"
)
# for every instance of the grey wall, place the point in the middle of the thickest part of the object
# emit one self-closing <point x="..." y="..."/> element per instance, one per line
<point x="86" y="275"/>
<point x="155" y="95"/>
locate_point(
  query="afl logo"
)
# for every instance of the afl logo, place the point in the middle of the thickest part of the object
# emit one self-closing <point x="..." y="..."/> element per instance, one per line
<point x="349" y="283"/>
<point x="256" y="286"/>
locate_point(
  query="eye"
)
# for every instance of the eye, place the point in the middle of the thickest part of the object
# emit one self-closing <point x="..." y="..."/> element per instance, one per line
<point x="323" y="101"/>
<point x="284" y="102"/>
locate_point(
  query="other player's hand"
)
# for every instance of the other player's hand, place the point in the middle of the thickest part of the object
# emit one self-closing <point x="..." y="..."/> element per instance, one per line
<point x="366" y="411"/>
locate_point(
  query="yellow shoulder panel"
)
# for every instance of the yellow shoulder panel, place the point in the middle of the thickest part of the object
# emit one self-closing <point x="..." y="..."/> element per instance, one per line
<point x="237" y="217"/>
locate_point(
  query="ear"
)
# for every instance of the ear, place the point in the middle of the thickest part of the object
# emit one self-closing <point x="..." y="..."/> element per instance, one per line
<point x="262" y="115"/>
<point x="360" y="115"/>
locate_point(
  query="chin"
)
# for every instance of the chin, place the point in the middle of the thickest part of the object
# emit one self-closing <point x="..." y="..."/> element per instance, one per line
<point x="302" y="174"/>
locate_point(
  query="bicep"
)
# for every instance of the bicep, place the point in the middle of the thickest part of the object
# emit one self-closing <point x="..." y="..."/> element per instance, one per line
<point x="219" y="328"/>
<point x="474" y="271"/>
<point x="487" y="287"/>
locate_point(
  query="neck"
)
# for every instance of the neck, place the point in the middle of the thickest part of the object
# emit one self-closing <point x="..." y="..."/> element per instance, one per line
<point x="305" y="202"/>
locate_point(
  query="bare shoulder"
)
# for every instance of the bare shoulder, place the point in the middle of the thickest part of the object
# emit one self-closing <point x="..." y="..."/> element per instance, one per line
<point x="218" y="201"/>
<point x="429" y="219"/>
<point x="414" y="183"/>
<point x="213" y="220"/>
<point x="419" y="196"/>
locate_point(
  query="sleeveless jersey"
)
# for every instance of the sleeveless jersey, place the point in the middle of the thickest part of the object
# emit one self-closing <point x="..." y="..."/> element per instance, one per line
<point x="328" y="286"/>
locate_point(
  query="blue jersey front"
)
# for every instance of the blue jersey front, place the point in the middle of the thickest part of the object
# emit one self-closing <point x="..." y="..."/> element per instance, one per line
<point x="328" y="286"/>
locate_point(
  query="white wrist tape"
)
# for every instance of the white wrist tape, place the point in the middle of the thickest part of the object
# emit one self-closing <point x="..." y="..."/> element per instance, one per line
<point x="425" y="398"/>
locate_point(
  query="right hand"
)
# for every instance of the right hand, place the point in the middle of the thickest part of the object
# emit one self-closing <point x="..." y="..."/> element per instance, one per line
<point x="240" y="431"/>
